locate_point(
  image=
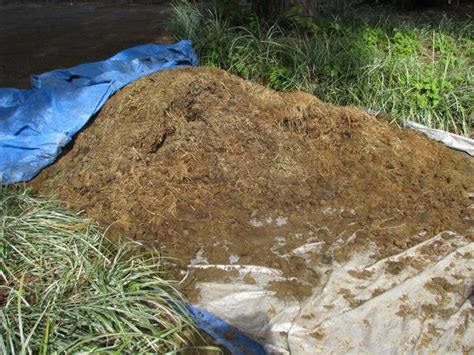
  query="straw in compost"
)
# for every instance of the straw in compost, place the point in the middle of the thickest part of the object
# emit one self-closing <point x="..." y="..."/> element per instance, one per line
<point x="217" y="170"/>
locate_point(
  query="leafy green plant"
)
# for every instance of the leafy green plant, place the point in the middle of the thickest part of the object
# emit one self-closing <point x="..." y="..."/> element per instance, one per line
<point x="278" y="77"/>
<point x="374" y="36"/>
<point x="445" y="45"/>
<point x="405" y="42"/>
<point x="241" y="62"/>
<point x="428" y="91"/>
<point x="333" y="69"/>
<point x="468" y="46"/>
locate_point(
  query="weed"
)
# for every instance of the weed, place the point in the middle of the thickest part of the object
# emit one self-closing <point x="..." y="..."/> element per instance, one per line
<point x="405" y="42"/>
<point x="374" y="36"/>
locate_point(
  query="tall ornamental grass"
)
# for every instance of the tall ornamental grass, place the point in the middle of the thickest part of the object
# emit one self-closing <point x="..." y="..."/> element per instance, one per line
<point x="65" y="289"/>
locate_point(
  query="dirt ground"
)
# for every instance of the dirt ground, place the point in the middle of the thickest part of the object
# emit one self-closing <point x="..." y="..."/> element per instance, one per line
<point x="42" y="36"/>
<point x="212" y="169"/>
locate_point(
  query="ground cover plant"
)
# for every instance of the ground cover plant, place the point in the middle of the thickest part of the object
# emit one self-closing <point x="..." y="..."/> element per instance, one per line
<point x="415" y="66"/>
<point x="64" y="288"/>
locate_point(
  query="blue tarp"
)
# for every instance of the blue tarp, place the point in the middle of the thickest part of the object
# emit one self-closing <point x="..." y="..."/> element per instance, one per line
<point x="36" y="124"/>
<point x="224" y="334"/>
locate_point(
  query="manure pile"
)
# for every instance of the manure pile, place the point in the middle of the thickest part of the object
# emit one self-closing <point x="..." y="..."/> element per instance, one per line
<point x="212" y="169"/>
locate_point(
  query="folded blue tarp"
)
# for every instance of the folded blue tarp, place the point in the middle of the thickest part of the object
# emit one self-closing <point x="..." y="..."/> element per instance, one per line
<point x="36" y="124"/>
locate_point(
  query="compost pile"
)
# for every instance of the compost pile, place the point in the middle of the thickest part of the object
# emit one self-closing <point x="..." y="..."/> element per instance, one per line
<point x="212" y="169"/>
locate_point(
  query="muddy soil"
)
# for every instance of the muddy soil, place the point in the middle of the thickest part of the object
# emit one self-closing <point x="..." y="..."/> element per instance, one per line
<point x="43" y="36"/>
<point x="212" y="169"/>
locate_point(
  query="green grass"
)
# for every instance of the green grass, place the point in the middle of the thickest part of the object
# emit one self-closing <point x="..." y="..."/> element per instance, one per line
<point x="65" y="289"/>
<point x="417" y="67"/>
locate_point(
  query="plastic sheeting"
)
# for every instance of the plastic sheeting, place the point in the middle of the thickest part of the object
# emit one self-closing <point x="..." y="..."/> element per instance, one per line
<point x="224" y="334"/>
<point x="449" y="139"/>
<point x="36" y="124"/>
<point x="419" y="301"/>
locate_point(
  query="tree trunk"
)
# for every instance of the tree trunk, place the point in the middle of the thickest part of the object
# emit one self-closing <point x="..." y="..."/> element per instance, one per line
<point x="275" y="7"/>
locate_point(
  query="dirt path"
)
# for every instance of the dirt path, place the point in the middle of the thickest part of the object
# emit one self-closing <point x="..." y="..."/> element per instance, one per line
<point x="36" y="38"/>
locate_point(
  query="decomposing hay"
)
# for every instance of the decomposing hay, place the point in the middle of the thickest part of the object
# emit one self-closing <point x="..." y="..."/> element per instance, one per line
<point x="212" y="168"/>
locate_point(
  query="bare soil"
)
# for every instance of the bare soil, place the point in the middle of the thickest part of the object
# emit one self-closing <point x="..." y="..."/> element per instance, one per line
<point x="209" y="168"/>
<point x="40" y="36"/>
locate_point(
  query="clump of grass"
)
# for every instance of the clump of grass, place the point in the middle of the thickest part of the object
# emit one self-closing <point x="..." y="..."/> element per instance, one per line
<point x="418" y="68"/>
<point x="65" y="289"/>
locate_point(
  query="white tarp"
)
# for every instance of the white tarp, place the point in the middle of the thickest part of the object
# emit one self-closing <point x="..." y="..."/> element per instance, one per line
<point x="418" y="301"/>
<point x="449" y="139"/>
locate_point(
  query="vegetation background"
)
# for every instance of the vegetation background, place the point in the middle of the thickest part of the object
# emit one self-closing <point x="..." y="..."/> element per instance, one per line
<point x="415" y="65"/>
